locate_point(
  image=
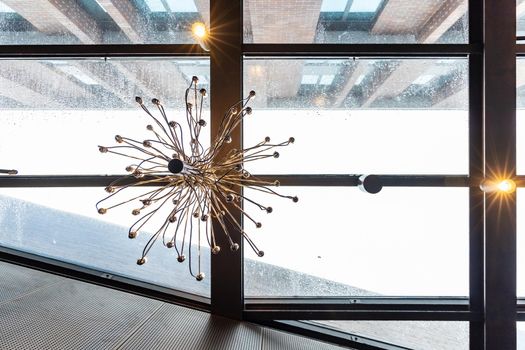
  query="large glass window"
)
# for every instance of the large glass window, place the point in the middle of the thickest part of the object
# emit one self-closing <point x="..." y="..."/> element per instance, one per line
<point x="63" y="224"/>
<point x="415" y="115"/>
<point x="100" y="21"/>
<point x="55" y="113"/>
<point x="353" y="243"/>
<point x="360" y="116"/>
<point x="355" y="21"/>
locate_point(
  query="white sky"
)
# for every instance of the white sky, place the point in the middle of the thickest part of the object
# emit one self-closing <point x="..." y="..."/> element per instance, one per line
<point x="402" y="241"/>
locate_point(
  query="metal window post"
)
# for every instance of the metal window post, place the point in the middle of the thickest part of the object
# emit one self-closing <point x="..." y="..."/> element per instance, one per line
<point x="226" y="79"/>
<point x="500" y="161"/>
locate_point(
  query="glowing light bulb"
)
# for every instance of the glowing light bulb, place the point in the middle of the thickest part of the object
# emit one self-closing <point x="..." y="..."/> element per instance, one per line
<point x="199" y="30"/>
<point x="507" y="186"/>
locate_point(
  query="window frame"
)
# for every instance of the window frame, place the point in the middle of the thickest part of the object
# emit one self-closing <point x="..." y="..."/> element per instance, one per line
<point x="490" y="308"/>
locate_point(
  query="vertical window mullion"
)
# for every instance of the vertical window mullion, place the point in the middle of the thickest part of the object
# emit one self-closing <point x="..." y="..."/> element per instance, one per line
<point x="500" y="162"/>
<point x="476" y="239"/>
<point x="226" y="88"/>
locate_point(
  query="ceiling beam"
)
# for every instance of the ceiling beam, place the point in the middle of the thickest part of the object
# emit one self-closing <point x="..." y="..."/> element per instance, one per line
<point x="396" y="82"/>
<point x="442" y="20"/>
<point x="44" y="80"/>
<point x="126" y="16"/>
<point x="58" y="16"/>
<point x="399" y="17"/>
<point x="351" y="75"/>
<point x="284" y="21"/>
<point x="24" y="95"/>
<point x="104" y="74"/>
<point x="455" y="100"/>
<point x="454" y="93"/>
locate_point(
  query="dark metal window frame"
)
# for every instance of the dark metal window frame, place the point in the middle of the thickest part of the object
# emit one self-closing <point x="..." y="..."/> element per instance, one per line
<point x="490" y="309"/>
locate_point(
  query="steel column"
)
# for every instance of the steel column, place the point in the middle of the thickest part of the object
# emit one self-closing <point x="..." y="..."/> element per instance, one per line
<point x="500" y="161"/>
<point x="226" y="79"/>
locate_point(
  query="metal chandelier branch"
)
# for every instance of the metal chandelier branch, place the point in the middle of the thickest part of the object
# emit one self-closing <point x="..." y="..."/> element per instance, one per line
<point x="201" y="188"/>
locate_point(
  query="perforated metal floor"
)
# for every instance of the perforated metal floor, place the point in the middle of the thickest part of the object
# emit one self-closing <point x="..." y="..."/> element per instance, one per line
<point x="43" y="311"/>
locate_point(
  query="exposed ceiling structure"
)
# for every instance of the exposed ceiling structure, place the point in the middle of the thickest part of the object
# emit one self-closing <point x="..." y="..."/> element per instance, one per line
<point x="113" y="84"/>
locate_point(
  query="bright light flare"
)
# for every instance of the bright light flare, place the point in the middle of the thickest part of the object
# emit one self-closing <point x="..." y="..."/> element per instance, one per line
<point x="199" y="30"/>
<point x="502" y="186"/>
<point x="507" y="186"/>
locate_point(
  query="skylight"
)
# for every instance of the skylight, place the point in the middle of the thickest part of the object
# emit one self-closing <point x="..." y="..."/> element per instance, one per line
<point x="365" y="5"/>
<point x="333" y="5"/>
<point x="5" y="9"/>
<point x="309" y="79"/>
<point x="155" y="5"/>
<point x="327" y="79"/>
<point x="182" y="5"/>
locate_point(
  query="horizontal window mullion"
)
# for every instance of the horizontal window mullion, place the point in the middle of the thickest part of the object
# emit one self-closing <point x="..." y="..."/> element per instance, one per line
<point x="360" y="304"/>
<point x="285" y="180"/>
<point x="127" y="50"/>
<point x="58" y="180"/>
<point x="520" y="49"/>
<point x="383" y="50"/>
<point x="385" y="180"/>
<point x="360" y="315"/>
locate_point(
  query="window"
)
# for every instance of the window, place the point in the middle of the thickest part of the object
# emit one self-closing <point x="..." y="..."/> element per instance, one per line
<point x="100" y="21"/>
<point x="357" y="21"/>
<point x="418" y="95"/>
<point x="411" y="105"/>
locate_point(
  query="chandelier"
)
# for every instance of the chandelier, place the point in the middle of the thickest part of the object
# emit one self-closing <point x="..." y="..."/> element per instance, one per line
<point x="200" y="187"/>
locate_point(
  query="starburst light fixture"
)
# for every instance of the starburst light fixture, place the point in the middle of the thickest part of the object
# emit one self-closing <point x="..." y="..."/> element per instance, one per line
<point x="198" y="188"/>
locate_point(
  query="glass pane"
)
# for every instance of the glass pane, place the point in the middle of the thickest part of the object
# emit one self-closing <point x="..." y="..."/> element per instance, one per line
<point x="344" y="242"/>
<point x="362" y="116"/>
<point x="55" y="113"/>
<point x="428" y="335"/>
<point x="520" y="116"/>
<point x="520" y="19"/>
<point x="355" y="21"/>
<point x="520" y="335"/>
<point x="100" y="21"/>
<point x="62" y="223"/>
<point x="520" y="242"/>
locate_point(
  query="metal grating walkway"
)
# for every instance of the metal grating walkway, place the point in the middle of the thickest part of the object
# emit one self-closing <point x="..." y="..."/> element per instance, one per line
<point x="44" y="311"/>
